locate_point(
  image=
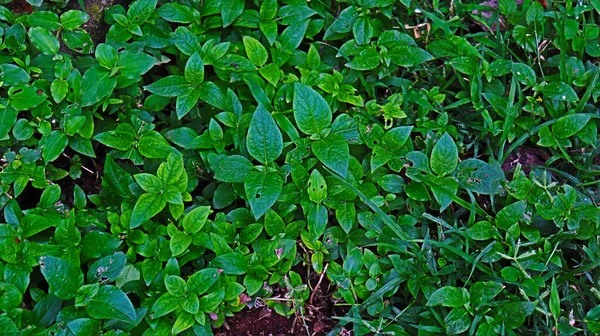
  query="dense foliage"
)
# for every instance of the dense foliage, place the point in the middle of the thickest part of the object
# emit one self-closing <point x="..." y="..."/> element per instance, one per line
<point x="437" y="159"/>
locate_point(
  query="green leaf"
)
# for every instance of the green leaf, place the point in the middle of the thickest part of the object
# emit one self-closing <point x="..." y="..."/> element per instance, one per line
<point x="170" y="86"/>
<point x="178" y="13"/>
<point x="333" y="152"/>
<point x="149" y="182"/>
<point x="317" y="187"/>
<point x="134" y="64"/>
<point x="12" y="75"/>
<point x="44" y="40"/>
<point x="264" y="140"/>
<point x="346" y="216"/>
<point x="184" y="321"/>
<point x="44" y="19"/>
<point x="292" y="36"/>
<point x="256" y="52"/>
<point x="202" y="280"/>
<point x="230" y="10"/>
<point x="139" y="11"/>
<point x="317" y="218"/>
<point x="121" y="138"/>
<point x="483" y="292"/>
<point x="274" y="225"/>
<point x="53" y="145"/>
<point x="513" y="314"/>
<point x="164" y="305"/>
<point x="449" y="296"/>
<point x="353" y="262"/>
<point x="262" y="190"/>
<point x="408" y="56"/>
<point x="481" y="231"/>
<point x="231" y="263"/>
<point x="50" y="196"/>
<point x="554" y="300"/>
<point x="444" y="156"/>
<point x="367" y="59"/>
<point x="560" y="91"/>
<point x="457" y="321"/>
<point x="118" y="179"/>
<point x="194" y="70"/>
<point x="179" y="243"/>
<point x="194" y="221"/>
<point x="186" y="101"/>
<point x="8" y="117"/>
<point x="153" y="146"/>
<point x="569" y="125"/>
<point x="311" y="111"/>
<point x="146" y="207"/>
<point x="73" y="19"/>
<point x="63" y="277"/>
<point x="171" y="171"/>
<point x="25" y="97"/>
<point x="510" y="215"/>
<point x="231" y="169"/>
<point x="96" y="84"/>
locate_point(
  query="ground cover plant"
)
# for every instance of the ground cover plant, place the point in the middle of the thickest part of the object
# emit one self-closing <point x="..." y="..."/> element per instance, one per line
<point x="381" y="167"/>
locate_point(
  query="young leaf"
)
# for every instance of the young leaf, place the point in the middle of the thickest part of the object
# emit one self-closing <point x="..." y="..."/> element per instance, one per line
<point x="311" y="111"/>
<point x="333" y="152"/>
<point x="262" y="190"/>
<point x="194" y="70"/>
<point x="194" y="221"/>
<point x="256" y="52"/>
<point x="264" y="140"/>
<point x="146" y="207"/>
<point x="444" y="156"/>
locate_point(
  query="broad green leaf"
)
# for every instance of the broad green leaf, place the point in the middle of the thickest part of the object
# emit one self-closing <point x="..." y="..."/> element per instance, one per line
<point x="444" y="156"/>
<point x="44" y="40"/>
<point x="262" y="190"/>
<point x="73" y="19"/>
<point x="53" y="145"/>
<point x="25" y="97"/>
<point x="274" y="225"/>
<point x="317" y="187"/>
<point x="232" y="263"/>
<point x="194" y="70"/>
<point x="256" y="52"/>
<point x="317" y="219"/>
<point x="569" y="125"/>
<point x="174" y="12"/>
<point x="116" y="178"/>
<point x="63" y="277"/>
<point x="149" y="182"/>
<point x="292" y="36"/>
<point x="311" y="111"/>
<point x="353" y="262"/>
<point x="45" y="19"/>
<point x="481" y="231"/>
<point x="367" y="59"/>
<point x="121" y="138"/>
<point x="230" y="10"/>
<point x="186" y="101"/>
<point x="184" y="321"/>
<point x="513" y="314"/>
<point x="484" y="292"/>
<point x="170" y="86"/>
<point x="346" y="216"/>
<point x="554" y="300"/>
<point x="343" y="23"/>
<point x="140" y="10"/>
<point x="560" y="91"/>
<point x="264" y="140"/>
<point x="172" y="171"/>
<point x="408" y="56"/>
<point x="164" y="305"/>
<point x="12" y="75"/>
<point x="194" y="221"/>
<point x="146" y="207"/>
<point x="449" y="296"/>
<point x="8" y="117"/>
<point x="96" y="84"/>
<point x="153" y="146"/>
<point x="134" y="64"/>
<point x="457" y="321"/>
<point x="333" y="152"/>
<point x="231" y="169"/>
<point x="510" y="215"/>
<point x="202" y="280"/>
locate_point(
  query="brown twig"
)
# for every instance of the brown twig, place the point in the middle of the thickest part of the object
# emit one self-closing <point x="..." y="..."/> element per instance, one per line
<point x="312" y="295"/>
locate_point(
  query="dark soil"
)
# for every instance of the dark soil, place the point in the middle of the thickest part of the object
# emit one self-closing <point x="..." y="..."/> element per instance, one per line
<point x="263" y="321"/>
<point x="527" y="157"/>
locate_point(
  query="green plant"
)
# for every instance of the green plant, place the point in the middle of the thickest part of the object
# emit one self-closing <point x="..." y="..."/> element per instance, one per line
<point x="209" y="156"/>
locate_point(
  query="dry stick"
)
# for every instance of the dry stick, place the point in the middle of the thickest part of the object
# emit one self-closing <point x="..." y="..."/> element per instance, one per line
<point x="312" y="295"/>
